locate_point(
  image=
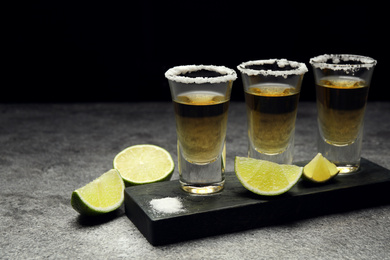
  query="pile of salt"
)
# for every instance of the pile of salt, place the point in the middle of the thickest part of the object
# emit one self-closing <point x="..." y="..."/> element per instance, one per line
<point x="167" y="205"/>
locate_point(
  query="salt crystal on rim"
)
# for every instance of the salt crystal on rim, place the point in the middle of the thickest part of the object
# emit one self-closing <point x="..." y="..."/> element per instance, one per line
<point x="322" y="62"/>
<point x="298" y="68"/>
<point x="178" y="74"/>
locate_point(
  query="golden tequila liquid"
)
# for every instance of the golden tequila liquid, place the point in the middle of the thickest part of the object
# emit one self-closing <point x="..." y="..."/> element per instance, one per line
<point x="341" y="103"/>
<point x="272" y="110"/>
<point x="201" y="121"/>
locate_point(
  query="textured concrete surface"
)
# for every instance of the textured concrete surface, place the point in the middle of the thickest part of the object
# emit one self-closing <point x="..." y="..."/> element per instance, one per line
<point x="49" y="150"/>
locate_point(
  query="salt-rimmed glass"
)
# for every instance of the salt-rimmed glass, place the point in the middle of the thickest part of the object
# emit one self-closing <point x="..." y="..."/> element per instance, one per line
<point x="272" y="89"/>
<point x="342" y="83"/>
<point x="201" y="95"/>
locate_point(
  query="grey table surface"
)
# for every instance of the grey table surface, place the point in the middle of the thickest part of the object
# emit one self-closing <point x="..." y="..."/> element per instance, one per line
<point x="49" y="150"/>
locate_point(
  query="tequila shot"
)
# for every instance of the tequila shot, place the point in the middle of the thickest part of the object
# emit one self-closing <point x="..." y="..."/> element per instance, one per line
<point x="201" y="96"/>
<point x="342" y="83"/>
<point x="272" y="89"/>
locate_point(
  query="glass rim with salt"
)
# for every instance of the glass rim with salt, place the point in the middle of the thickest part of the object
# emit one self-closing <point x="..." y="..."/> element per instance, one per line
<point x="344" y="62"/>
<point x="181" y="74"/>
<point x="272" y="67"/>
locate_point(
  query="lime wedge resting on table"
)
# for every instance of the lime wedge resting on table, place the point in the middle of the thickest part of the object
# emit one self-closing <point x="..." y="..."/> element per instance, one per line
<point x="319" y="169"/>
<point x="265" y="177"/>
<point x="144" y="163"/>
<point x="103" y="195"/>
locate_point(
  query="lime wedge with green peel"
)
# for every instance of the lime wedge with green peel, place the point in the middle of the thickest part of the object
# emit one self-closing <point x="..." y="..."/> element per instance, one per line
<point x="265" y="177"/>
<point x="319" y="169"/>
<point x="145" y="163"/>
<point x="103" y="195"/>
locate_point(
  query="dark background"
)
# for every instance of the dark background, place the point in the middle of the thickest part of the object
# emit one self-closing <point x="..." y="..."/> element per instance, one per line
<point x="118" y="51"/>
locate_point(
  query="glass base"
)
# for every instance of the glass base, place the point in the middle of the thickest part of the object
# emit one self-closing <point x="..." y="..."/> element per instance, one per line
<point x="346" y="157"/>
<point x="348" y="169"/>
<point x="285" y="157"/>
<point x="202" y="189"/>
<point x="203" y="179"/>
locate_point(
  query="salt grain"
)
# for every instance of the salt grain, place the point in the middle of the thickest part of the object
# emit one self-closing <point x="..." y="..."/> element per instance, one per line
<point x="167" y="205"/>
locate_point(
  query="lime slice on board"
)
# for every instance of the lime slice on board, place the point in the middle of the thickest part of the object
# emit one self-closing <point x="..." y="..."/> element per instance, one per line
<point x="265" y="177"/>
<point x="103" y="195"/>
<point x="319" y="169"/>
<point x="144" y="163"/>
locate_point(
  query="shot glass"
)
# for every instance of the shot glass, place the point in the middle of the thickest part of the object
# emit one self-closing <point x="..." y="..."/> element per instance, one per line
<point x="201" y="96"/>
<point x="342" y="83"/>
<point x="272" y="89"/>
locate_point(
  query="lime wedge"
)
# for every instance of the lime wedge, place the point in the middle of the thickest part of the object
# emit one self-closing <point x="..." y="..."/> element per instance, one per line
<point x="144" y="163"/>
<point x="264" y="177"/>
<point x="103" y="195"/>
<point x="319" y="169"/>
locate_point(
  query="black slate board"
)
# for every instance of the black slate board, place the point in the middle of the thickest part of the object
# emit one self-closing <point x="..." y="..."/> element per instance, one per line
<point x="235" y="208"/>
